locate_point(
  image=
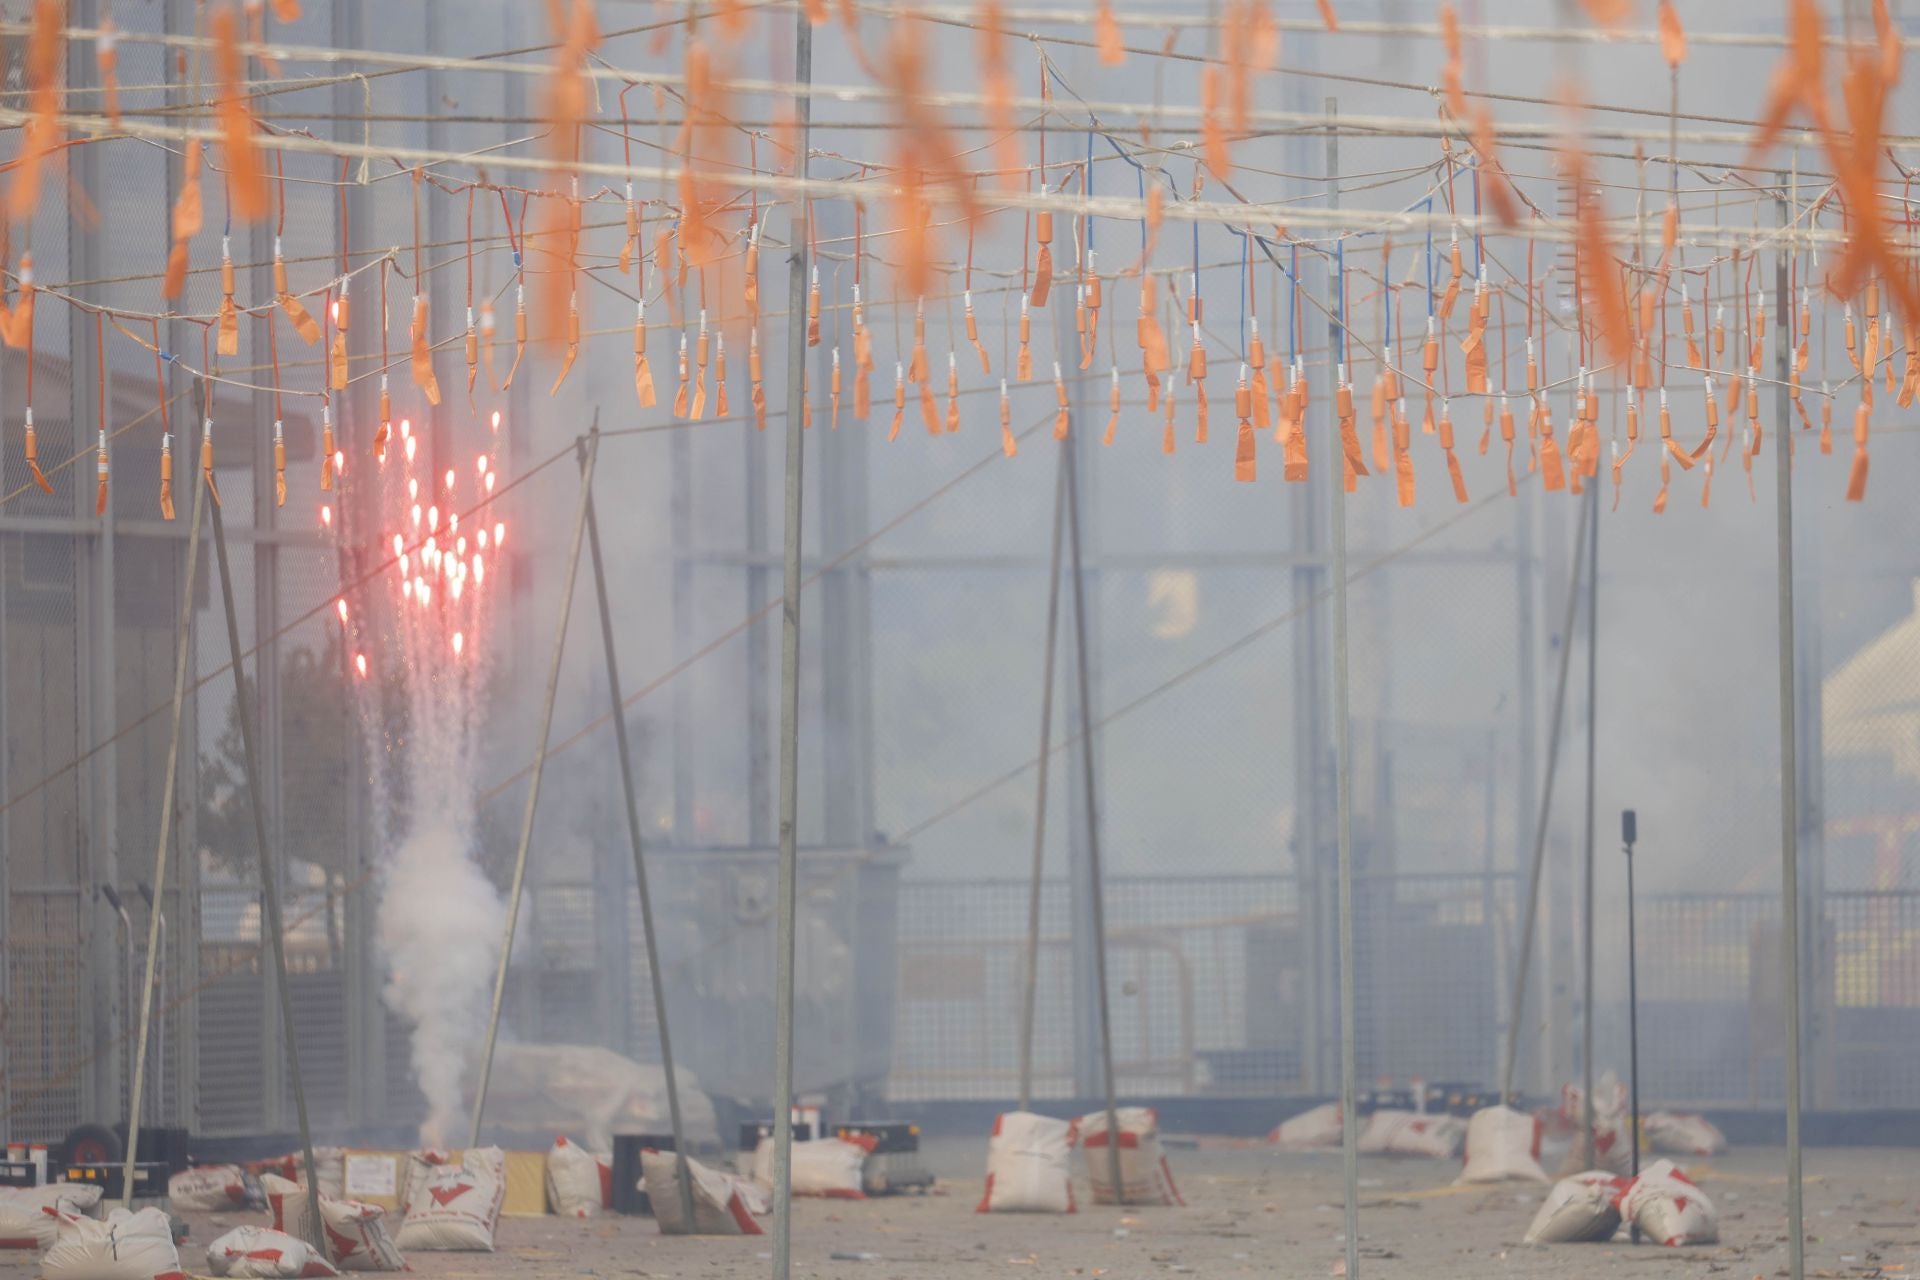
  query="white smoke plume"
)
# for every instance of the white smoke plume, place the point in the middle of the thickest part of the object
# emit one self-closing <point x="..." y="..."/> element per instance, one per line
<point x="440" y="917"/>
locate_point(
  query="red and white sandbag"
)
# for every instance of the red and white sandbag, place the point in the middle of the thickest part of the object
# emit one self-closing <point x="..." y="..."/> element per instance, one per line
<point x="1684" y="1134"/>
<point x="127" y="1246"/>
<point x="1668" y="1208"/>
<point x="458" y="1208"/>
<point x="1579" y="1209"/>
<point x="208" y="1188"/>
<point x="261" y="1253"/>
<point x="331" y="1161"/>
<point x="1145" y="1177"/>
<point x="1503" y="1145"/>
<point x="29" y="1215"/>
<point x="1028" y="1165"/>
<point x="579" y="1183"/>
<point x="722" y="1205"/>
<point x="1316" y="1129"/>
<point x="356" y="1233"/>
<point x="1409" y="1133"/>
<point x="830" y="1167"/>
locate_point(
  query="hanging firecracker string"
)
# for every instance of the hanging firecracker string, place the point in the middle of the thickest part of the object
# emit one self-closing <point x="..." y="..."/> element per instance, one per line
<point x="384" y="431"/>
<point x="1008" y="445"/>
<point x="166" y="431"/>
<point x="899" y="401"/>
<point x="206" y="424"/>
<point x="516" y="242"/>
<point x="297" y="315"/>
<point x="702" y="352"/>
<point x="100" y="401"/>
<point x="279" y="427"/>
<point x="337" y="350"/>
<point x="422" y="353"/>
<point x="327" y="451"/>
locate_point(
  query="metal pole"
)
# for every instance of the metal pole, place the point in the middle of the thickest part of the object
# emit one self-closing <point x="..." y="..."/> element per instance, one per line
<point x="639" y="861"/>
<point x="1040" y="800"/>
<point x="1789" y="761"/>
<point x="533" y="783"/>
<point x="1343" y="767"/>
<point x="1545" y="814"/>
<point x="1633" y="1005"/>
<point x="1098" y="894"/>
<point x="269" y="891"/>
<point x="790" y="671"/>
<point x="182" y="652"/>
<point x="1593" y="717"/>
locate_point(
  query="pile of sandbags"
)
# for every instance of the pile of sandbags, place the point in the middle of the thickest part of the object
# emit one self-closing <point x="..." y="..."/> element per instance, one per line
<point x="1582" y="1208"/>
<point x="1684" y="1134"/>
<point x="356" y="1234"/>
<point x="1411" y="1133"/>
<point x="456" y="1207"/>
<point x="1669" y="1208"/>
<point x="209" y="1188"/>
<point x="127" y="1246"/>
<point x="1317" y="1129"/>
<point x="1028" y="1165"/>
<point x="261" y="1253"/>
<point x="1503" y="1145"/>
<point x="30" y="1216"/>
<point x="722" y="1204"/>
<point x="1145" y="1177"/>
<point x="579" y="1183"/>
<point x="831" y="1167"/>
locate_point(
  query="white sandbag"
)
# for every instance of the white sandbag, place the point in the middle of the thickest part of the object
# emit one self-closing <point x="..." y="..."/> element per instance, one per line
<point x="459" y="1207"/>
<point x="261" y="1253"/>
<point x="1502" y="1144"/>
<point x="1145" y="1177"/>
<point x="1316" y="1129"/>
<point x="578" y="1182"/>
<point x="1408" y="1133"/>
<point x="1027" y="1165"/>
<point x="29" y="1215"/>
<point x="356" y="1233"/>
<point x="1579" y="1208"/>
<point x="1611" y="1148"/>
<point x="127" y="1246"/>
<point x="1683" y="1134"/>
<point x="208" y="1188"/>
<point x="721" y="1204"/>
<point x="331" y="1161"/>
<point x="1668" y="1208"/>
<point x="830" y="1167"/>
<point x="420" y="1166"/>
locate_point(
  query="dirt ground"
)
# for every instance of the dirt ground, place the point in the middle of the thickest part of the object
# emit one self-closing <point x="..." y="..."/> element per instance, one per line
<point x="1251" y="1212"/>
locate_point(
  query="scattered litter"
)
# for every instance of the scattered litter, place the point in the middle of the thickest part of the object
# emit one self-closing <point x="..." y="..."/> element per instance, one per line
<point x="261" y="1253"/>
<point x="1145" y="1177"/>
<point x="853" y="1257"/>
<point x="1027" y="1165"/>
